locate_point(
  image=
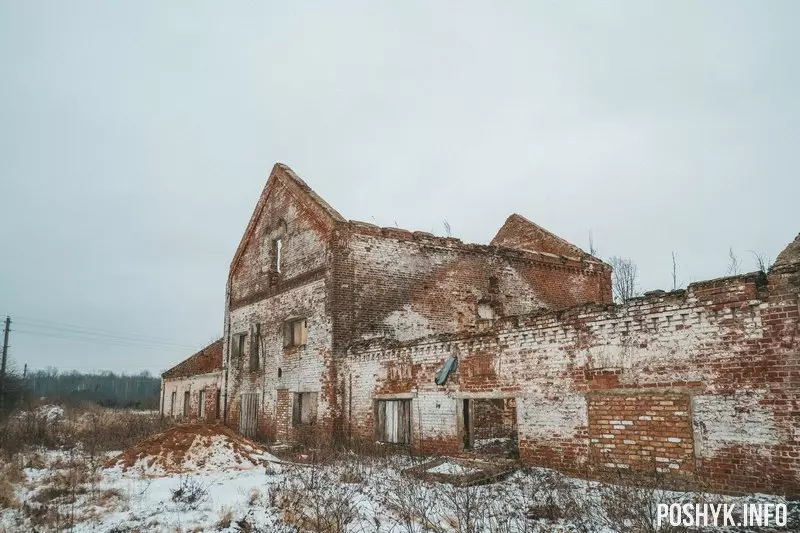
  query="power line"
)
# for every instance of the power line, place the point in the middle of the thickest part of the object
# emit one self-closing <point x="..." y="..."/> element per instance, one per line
<point x="88" y="334"/>
<point x="48" y="324"/>
<point x="105" y="341"/>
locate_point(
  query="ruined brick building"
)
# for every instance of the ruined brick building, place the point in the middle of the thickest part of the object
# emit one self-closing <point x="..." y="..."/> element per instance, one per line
<point x="192" y="389"/>
<point x="407" y="339"/>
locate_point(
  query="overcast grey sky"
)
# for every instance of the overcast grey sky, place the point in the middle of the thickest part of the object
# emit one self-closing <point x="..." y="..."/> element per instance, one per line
<point x="136" y="136"/>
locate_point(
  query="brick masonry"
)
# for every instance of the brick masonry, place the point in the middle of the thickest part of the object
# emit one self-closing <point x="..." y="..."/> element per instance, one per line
<point x="530" y="321"/>
<point x="641" y="431"/>
<point x="717" y="362"/>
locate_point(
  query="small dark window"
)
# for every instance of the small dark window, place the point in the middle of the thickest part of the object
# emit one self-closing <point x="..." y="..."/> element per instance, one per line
<point x="254" y="349"/>
<point x="238" y="347"/>
<point x="217" y="407"/>
<point x="186" y="401"/>
<point x="493" y="285"/>
<point x="295" y="333"/>
<point x="280" y="372"/>
<point x="172" y="402"/>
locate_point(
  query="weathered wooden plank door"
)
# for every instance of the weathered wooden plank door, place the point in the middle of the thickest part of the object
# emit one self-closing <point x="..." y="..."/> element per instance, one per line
<point x="248" y="415"/>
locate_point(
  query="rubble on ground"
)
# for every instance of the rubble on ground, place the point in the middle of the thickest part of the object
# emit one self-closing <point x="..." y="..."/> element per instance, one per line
<point x="463" y="472"/>
<point x="193" y="448"/>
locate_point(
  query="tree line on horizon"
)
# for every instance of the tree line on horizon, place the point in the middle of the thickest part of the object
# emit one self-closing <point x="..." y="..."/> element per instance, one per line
<point x="108" y="389"/>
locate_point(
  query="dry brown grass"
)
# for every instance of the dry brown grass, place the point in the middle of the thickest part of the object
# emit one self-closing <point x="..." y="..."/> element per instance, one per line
<point x="95" y="428"/>
<point x="11" y="475"/>
<point x="225" y="519"/>
<point x="8" y="499"/>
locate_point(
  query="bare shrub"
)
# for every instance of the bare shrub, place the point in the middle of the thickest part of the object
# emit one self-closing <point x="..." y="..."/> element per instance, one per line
<point x="8" y="499"/>
<point x="467" y="510"/>
<point x="254" y="497"/>
<point x="313" y="499"/>
<point x="734" y="263"/>
<point x="630" y="503"/>
<point x="11" y="471"/>
<point x="762" y="261"/>
<point x="52" y="505"/>
<point x="413" y="505"/>
<point x="190" y="493"/>
<point x="317" y="446"/>
<point x="507" y="511"/>
<point x="225" y="519"/>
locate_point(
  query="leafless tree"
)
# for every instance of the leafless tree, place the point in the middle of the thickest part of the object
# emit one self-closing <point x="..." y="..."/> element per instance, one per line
<point x="592" y="249"/>
<point x="447" y="229"/>
<point x="734" y="263"/>
<point x="762" y="261"/>
<point x="624" y="279"/>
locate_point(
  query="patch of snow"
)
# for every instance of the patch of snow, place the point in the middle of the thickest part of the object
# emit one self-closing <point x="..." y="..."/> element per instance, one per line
<point x="451" y="469"/>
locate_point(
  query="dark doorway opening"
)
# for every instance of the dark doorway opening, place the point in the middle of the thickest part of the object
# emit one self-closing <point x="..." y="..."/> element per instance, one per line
<point x="490" y="426"/>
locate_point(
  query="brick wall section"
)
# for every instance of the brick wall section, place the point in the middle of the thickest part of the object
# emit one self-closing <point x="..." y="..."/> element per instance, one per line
<point x="395" y="286"/>
<point x="519" y="232"/>
<point x="211" y="383"/>
<point x="641" y="431"/>
<point x="259" y="295"/>
<point x="725" y="351"/>
<point x="283" y="413"/>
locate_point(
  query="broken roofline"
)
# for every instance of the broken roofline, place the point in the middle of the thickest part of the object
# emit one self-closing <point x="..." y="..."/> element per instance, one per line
<point x="282" y="172"/>
<point x="540" y="320"/>
<point x="429" y="239"/>
<point x="206" y="361"/>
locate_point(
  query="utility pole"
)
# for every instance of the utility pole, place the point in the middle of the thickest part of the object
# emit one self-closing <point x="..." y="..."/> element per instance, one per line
<point x="5" y="355"/>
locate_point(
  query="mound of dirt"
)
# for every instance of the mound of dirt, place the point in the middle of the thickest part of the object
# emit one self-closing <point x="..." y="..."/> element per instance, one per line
<point x="193" y="448"/>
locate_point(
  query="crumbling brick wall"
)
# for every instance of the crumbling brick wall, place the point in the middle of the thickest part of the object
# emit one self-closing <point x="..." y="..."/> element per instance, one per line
<point x="718" y="362"/>
<point x="393" y="285"/>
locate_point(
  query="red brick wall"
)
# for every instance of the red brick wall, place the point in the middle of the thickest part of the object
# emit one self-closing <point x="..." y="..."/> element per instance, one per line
<point x="283" y="414"/>
<point x="396" y="286"/>
<point x="723" y="352"/>
<point x="641" y="431"/>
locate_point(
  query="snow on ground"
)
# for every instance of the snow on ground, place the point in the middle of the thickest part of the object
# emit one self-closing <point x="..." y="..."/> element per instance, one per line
<point x="451" y="468"/>
<point x="372" y="494"/>
<point x="51" y="413"/>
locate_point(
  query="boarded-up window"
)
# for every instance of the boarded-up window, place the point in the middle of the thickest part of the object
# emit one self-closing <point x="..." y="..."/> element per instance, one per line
<point x="248" y="415"/>
<point x="187" y="398"/>
<point x="295" y="333"/>
<point x="254" y="348"/>
<point x="172" y="402"/>
<point x="393" y="423"/>
<point x="202" y="399"/>
<point x="237" y="347"/>
<point x="304" y="409"/>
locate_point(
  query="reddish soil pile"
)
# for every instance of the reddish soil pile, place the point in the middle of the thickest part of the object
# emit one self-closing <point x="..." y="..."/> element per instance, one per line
<point x="192" y="448"/>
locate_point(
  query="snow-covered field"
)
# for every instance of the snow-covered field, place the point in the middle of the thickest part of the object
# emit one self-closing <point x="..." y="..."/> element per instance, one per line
<point x="205" y="477"/>
<point x="66" y="491"/>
